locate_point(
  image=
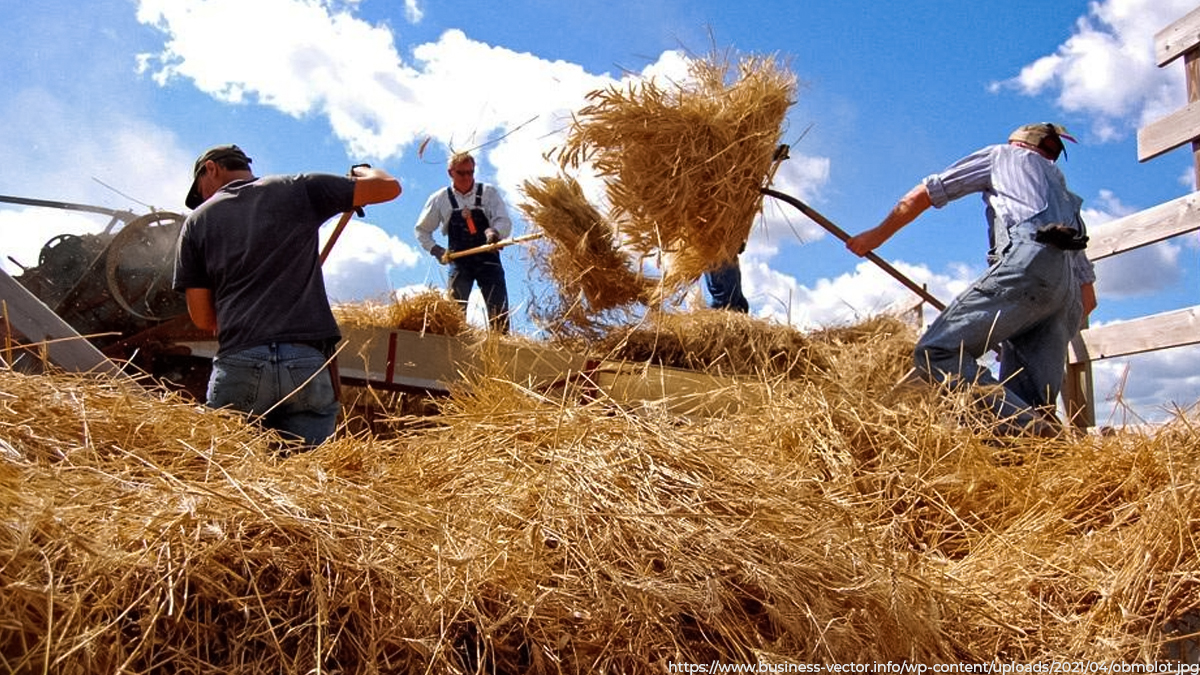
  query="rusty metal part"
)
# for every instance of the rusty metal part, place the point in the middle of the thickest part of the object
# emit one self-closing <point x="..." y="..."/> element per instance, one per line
<point x="139" y="265"/>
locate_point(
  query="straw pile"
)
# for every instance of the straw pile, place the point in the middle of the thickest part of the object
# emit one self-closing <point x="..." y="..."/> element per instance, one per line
<point x="838" y="521"/>
<point x="428" y="311"/>
<point x="717" y="341"/>
<point x="579" y="254"/>
<point x="683" y="164"/>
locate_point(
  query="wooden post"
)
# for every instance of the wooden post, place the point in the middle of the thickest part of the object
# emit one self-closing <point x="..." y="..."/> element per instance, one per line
<point x="1078" y="393"/>
<point x="1191" y="68"/>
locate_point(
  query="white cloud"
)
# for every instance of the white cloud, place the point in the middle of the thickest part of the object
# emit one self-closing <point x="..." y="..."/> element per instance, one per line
<point x="81" y="151"/>
<point x="1106" y="69"/>
<point x="1146" y="387"/>
<point x="413" y="12"/>
<point x="454" y="94"/>
<point x="1188" y="179"/>
<point x="1125" y="275"/>
<point x="458" y="92"/>
<point x="850" y="297"/>
<point x="361" y="260"/>
<point x="28" y="230"/>
<point x="801" y="177"/>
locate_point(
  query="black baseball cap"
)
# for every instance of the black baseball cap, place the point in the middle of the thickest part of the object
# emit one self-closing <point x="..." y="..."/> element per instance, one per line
<point x="218" y="153"/>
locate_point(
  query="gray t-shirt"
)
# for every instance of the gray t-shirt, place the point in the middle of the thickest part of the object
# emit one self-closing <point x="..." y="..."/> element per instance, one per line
<point x="254" y="245"/>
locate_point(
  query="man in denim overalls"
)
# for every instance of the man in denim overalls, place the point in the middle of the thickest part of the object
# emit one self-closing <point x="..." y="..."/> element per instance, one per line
<point x="1032" y="299"/>
<point x="470" y="214"/>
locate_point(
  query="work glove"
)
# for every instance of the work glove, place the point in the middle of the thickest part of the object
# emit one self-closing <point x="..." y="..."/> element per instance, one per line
<point x="439" y="253"/>
<point x="491" y="235"/>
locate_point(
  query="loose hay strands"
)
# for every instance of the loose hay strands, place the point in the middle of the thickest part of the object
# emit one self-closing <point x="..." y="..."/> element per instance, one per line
<point x="578" y="253"/>
<point x="683" y="164"/>
<point x="717" y="341"/>
<point x="525" y="531"/>
<point x="428" y="311"/>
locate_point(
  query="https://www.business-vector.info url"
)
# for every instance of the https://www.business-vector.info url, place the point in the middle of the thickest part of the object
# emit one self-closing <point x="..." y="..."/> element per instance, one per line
<point x="905" y="667"/>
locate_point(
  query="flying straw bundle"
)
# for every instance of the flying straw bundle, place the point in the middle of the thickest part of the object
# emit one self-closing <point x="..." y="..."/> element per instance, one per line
<point x="578" y="253"/>
<point x="684" y="164"/>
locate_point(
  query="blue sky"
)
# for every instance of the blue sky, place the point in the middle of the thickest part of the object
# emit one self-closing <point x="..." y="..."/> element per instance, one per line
<point x="108" y="103"/>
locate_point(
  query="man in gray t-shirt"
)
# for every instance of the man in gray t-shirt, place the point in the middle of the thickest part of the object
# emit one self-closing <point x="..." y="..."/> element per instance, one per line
<point x="248" y="263"/>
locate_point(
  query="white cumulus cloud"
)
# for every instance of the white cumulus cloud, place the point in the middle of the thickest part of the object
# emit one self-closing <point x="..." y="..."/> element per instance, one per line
<point x="1106" y="68"/>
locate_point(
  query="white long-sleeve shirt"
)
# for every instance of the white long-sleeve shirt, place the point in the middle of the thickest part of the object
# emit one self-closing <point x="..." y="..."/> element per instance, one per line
<point x="436" y="214"/>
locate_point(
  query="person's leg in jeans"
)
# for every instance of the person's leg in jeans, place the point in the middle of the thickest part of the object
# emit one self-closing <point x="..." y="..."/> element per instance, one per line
<point x="489" y="274"/>
<point x="308" y="407"/>
<point x="462" y="278"/>
<point x="725" y="288"/>
<point x="1017" y="295"/>
<point x="1033" y="363"/>
<point x="254" y="381"/>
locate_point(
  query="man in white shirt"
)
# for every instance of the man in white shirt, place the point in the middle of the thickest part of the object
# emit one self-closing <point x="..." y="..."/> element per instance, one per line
<point x="470" y="214"/>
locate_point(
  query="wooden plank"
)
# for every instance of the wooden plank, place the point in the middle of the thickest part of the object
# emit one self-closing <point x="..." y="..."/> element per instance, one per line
<point x="409" y="360"/>
<point x="1170" y="132"/>
<point x="1157" y="331"/>
<point x="1150" y="226"/>
<point x="65" y="348"/>
<point x="1173" y="41"/>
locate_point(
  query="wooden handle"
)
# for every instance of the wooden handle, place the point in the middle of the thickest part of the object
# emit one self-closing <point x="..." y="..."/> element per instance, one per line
<point x="841" y="234"/>
<point x="494" y="246"/>
<point x="337" y="232"/>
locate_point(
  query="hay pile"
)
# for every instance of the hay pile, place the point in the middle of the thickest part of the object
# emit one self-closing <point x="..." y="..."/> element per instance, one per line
<point x="683" y="164"/>
<point x="428" y="311"/>
<point x="719" y="342"/>
<point x="839" y="521"/>
<point x="579" y="254"/>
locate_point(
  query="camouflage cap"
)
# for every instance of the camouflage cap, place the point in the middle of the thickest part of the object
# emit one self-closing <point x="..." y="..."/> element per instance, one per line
<point x="217" y="154"/>
<point x="1044" y="135"/>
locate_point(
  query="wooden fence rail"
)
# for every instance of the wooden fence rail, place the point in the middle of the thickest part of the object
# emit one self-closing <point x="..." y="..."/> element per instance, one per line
<point x="1177" y="217"/>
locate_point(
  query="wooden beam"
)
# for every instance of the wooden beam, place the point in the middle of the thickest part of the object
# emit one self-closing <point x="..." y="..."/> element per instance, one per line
<point x="65" y="347"/>
<point x="1174" y="130"/>
<point x="1173" y="41"/>
<point x="1157" y="331"/>
<point x="1178" y="216"/>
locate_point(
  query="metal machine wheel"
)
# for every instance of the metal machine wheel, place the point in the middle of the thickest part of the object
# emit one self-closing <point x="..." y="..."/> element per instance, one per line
<point x="139" y="265"/>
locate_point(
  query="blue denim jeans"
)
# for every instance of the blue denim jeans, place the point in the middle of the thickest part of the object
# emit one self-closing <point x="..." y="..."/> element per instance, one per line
<point x="725" y="288"/>
<point x="487" y="271"/>
<point x="1028" y="304"/>
<point x="268" y="384"/>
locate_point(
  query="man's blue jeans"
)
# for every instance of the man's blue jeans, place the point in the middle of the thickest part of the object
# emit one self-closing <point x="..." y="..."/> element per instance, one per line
<point x="725" y="288"/>
<point x="1028" y="304"/>
<point x="269" y="383"/>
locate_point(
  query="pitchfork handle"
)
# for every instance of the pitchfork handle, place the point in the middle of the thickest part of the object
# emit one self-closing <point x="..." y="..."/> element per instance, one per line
<point x="841" y="234"/>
